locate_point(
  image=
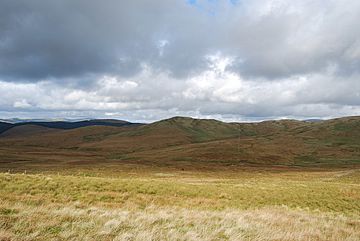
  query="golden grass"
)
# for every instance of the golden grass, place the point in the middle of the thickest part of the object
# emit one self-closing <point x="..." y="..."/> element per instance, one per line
<point x="247" y="205"/>
<point x="71" y="222"/>
<point x="330" y="192"/>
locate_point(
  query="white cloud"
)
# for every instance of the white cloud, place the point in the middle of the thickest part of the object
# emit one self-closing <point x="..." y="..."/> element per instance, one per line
<point x="217" y="92"/>
<point x="21" y="104"/>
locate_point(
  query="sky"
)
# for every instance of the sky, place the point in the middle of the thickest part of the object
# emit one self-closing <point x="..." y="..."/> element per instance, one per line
<point x="140" y="60"/>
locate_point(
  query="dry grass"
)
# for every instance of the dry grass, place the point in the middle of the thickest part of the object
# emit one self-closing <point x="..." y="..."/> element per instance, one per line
<point x="324" y="191"/>
<point x="20" y="222"/>
<point x="170" y="206"/>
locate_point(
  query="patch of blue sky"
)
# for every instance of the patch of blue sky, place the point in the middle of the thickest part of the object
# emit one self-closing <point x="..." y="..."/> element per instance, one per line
<point x="210" y="6"/>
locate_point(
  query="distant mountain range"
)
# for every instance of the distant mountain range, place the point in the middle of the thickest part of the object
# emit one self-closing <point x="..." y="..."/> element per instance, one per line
<point x="6" y="124"/>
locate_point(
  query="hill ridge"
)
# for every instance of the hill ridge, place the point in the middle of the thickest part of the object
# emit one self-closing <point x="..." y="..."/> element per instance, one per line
<point x="193" y="142"/>
<point x="66" y="125"/>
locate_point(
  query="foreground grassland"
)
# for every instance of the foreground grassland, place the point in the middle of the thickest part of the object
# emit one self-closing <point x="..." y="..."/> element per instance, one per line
<point x="246" y="205"/>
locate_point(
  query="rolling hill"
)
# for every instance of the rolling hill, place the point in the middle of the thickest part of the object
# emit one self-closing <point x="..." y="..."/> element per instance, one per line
<point x="5" y="126"/>
<point x="65" y="125"/>
<point x="182" y="143"/>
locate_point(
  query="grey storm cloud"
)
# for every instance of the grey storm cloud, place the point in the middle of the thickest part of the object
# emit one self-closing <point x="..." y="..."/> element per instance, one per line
<point x="42" y="39"/>
<point x="261" y="58"/>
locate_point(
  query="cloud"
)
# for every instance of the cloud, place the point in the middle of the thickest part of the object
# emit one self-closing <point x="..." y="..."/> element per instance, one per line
<point x="217" y="92"/>
<point x="21" y="104"/>
<point x="146" y="61"/>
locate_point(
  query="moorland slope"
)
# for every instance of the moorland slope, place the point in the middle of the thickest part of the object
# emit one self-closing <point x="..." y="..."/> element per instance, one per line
<point x="186" y="143"/>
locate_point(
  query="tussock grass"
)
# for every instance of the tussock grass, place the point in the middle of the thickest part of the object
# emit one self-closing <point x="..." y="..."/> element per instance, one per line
<point x="51" y="222"/>
<point x="171" y="206"/>
<point x="329" y="192"/>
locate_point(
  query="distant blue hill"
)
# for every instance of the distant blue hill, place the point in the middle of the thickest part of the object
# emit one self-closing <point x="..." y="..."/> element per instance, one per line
<point x="66" y="125"/>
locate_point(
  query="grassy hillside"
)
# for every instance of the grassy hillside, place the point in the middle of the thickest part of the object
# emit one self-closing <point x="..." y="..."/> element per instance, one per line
<point x="4" y="126"/>
<point x="186" y="143"/>
<point x="26" y="131"/>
